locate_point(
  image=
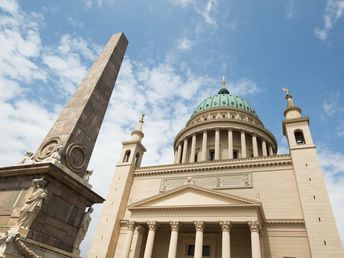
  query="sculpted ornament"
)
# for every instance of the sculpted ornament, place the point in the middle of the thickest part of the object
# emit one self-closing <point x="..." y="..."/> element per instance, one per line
<point x="199" y="225"/>
<point x="152" y="225"/>
<point x="174" y="225"/>
<point x="290" y="102"/>
<point x="225" y="226"/>
<point x="33" y="203"/>
<point x="13" y="236"/>
<point x="27" y="158"/>
<point x="87" y="175"/>
<point x="131" y="225"/>
<point x="245" y="181"/>
<point x="254" y="225"/>
<point x="82" y="230"/>
<point x="55" y="156"/>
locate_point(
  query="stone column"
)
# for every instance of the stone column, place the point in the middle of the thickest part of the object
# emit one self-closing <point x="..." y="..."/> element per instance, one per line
<point x="271" y="150"/>
<point x="254" y="146"/>
<point x="226" y="241"/>
<point x="128" y="239"/>
<point x="150" y="239"/>
<point x="217" y="144"/>
<point x="264" y="150"/>
<point x="137" y="242"/>
<point x="243" y="145"/>
<point x="175" y="156"/>
<point x="255" y="240"/>
<point x="199" y="238"/>
<point x="193" y="149"/>
<point x="230" y="144"/>
<point x="185" y="151"/>
<point x="179" y="153"/>
<point x="172" y="250"/>
<point x="204" y="146"/>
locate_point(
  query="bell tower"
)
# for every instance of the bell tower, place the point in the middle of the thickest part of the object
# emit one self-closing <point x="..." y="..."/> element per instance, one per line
<point x="106" y="237"/>
<point x="320" y="225"/>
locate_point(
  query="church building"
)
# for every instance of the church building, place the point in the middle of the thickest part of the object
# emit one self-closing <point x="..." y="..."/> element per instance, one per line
<point x="227" y="195"/>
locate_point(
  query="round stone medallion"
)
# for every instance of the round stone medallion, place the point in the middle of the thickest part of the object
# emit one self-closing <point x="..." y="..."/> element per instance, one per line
<point x="76" y="156"/>
<point x="48" y="148"/>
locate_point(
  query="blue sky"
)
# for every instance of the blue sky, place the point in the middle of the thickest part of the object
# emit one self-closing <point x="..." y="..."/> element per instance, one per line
<point x="178" y="51"/>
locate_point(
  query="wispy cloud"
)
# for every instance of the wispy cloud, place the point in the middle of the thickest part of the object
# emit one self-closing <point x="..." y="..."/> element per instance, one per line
<point x="244" y="87"/>
<point x="207" y="12"/>
<point x="204" y="8"/>
<point x="290" y="9"/>
<point x="333" y="12"/>
<point x="185" y="44"/>
<point x="91" y="3"/>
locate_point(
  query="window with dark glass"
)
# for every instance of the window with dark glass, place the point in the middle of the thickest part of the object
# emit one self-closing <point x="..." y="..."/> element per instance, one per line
<point x="211" y="154"/>
<point x="206" y="250"/>
<point x="191" y="250"/>
<point x="235" y="154"/>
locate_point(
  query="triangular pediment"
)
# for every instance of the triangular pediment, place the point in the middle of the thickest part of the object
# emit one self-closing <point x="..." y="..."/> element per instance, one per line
<point x="193" y="196"/>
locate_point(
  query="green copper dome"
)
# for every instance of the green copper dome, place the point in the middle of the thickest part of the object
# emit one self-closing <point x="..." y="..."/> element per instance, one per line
<point x="224" y="100"/>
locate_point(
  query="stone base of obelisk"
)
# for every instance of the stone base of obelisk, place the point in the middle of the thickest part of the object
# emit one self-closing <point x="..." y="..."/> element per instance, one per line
<point x="54" y="229"/>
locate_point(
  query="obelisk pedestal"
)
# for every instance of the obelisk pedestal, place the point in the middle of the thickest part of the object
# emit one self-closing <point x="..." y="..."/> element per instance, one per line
<point x="44" y="199"/>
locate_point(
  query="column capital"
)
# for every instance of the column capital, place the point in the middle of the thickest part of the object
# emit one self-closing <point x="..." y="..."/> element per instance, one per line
<point x="131" y="225"/>
<point x="225" y="226"/>
<point x="152" y="225"/>
<point x="199" y="225"/>
<point x="254" y="226"/>
<point x="174" y="225"/>
<point x="140" y="229"/>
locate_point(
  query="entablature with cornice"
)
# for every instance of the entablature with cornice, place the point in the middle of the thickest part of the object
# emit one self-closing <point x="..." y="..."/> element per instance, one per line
<point x="283" y="160"/>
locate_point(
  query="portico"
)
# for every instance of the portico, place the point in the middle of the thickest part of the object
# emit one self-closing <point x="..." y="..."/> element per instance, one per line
<point x="198" y="239"/>
<point x="189" y="229"/>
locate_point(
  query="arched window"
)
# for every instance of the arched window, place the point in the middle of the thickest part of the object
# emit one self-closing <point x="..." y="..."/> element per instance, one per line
<point x="126" y="156"/>
<point x="137" y="158"/>
<point x="299" y="138"/>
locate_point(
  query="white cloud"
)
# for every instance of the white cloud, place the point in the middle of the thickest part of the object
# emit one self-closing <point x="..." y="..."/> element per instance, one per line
<point x="91" y="3"/>
<point x="244" y="87"/>
<point x="66" y="62"/>
<point x="290" y="9"/>
<point x="9" y="6"/>
<point x="184" y="3"/>
<point x="333" y="12"/>
<point x="204" y="8"/>
<point x="185" y="44"/>
<point x="333" y="165"/>
<point x="206" y="12"/>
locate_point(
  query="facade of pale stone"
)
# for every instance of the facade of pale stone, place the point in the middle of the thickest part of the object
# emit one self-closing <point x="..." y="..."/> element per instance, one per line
<point x="228" y="194"/>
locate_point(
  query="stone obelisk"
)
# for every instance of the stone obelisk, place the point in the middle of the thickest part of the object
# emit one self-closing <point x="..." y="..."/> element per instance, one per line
<point x="75" y="132"/>
<point x="45" y="200"/>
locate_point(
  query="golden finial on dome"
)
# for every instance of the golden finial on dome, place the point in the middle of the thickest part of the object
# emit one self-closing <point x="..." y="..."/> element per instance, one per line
<point x="223" y="82"/>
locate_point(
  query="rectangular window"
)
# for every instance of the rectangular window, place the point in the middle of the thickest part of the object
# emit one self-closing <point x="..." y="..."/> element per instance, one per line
<point x="191" y="250"/>
<point x="206" y="250"/>
<point x="235" y="154"/>
<point x="211" y="154"/>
